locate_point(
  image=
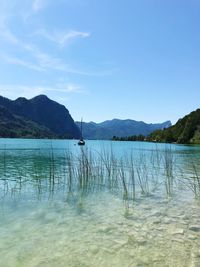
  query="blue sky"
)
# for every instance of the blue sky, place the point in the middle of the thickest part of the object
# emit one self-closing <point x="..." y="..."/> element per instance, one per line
<point x="103" y="59"/>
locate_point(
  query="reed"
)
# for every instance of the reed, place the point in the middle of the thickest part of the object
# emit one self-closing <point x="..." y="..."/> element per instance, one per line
<point x="142" y="174"/>
<point x="192" y="179"/>
<point x="132" y="176"/>
<point x="168" y="162"/>
<point x="77" y="175"/>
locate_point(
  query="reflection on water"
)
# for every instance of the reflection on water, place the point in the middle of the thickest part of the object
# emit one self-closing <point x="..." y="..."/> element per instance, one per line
<point x="125" y="204"/>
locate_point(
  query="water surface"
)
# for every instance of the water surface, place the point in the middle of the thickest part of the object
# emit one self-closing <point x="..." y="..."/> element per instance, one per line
<point x="56" y="212"/>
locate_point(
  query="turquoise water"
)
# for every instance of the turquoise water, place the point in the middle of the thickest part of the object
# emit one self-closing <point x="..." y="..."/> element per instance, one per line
<point x="105" y="204"/>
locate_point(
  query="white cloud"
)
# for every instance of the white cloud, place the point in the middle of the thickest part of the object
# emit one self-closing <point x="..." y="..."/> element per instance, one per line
<point x="62" y="38"/>
<point x="20" y="62"/>
<point x="38" y="5"/>
<point x="14" y="91"/>
<point x="26" y="45"/>
<point x="7" y="35"/>
<point x="43" y="61"/>
<point x="48" y="62"/>
<point x="73" y="88"/>
<point x="69" y="88"/>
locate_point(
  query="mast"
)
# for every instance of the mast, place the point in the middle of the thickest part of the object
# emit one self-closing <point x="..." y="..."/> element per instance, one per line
<point x="81" y="141"/>
<point x="81" y="129"/>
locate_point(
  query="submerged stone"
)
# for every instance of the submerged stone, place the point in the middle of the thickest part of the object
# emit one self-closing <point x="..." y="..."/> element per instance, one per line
<point x="141" y="241"/>
<point x="105" y="229"/>
<point x="168" y="221"/>
<point x="94" y="249"/>
<point x="195" y="228"/>
<point x="156" y="221"/>
<point x="178" y="232"/>
<point x="156" y="214"/>
<point x="192" y="237"/>
<point x="179" y="240"/>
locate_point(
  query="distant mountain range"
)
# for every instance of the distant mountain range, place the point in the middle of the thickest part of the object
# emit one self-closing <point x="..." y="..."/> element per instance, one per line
<point x="185" y="131"/>
<point x="39" y="117"/>
<point x="121" y="128"/>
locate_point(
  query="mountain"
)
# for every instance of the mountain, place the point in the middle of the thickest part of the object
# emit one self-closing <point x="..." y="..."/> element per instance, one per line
<point x="185" y="131"/>
<point x="122" y="128"/>
<point x="15" y="126"/>
<point x="38" y="117"/>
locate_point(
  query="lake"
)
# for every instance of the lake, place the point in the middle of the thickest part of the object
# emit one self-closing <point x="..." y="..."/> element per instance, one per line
<point x="104" y="204"/>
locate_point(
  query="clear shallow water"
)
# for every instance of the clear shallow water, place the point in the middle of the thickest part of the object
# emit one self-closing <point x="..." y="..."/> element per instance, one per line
<point x="43" y="223"/>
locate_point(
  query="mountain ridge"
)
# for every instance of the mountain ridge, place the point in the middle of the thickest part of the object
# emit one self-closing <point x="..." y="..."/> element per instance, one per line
<point x="117" y="127"/>
<point x="41" y="117"/>
<point x="47" y="117"/>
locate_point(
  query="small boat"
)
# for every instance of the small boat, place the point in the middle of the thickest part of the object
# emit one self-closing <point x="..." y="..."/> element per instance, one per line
<point x="81" y="142"/>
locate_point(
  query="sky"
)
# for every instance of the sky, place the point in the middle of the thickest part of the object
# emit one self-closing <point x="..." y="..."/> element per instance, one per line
<point x="104" y="59"/>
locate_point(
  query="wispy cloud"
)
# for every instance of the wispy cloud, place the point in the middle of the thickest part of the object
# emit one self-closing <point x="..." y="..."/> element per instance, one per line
<point x="8" y="36"/>
<point x="25" y="43"/>
<point x="62" y="38"/>
<point x="38" y="5"/>
<point x="69" y="88"/>
<point x="48" y="62"/>
<point x="5" y="33"/>
<point x="14" y="91"/>
<point x="23" y="63"/>
<point x="44" y="63"/>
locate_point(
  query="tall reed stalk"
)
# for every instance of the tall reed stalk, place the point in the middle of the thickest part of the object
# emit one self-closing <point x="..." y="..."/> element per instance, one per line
<point x="76" y="175"/>
<point x="168" y="159"/>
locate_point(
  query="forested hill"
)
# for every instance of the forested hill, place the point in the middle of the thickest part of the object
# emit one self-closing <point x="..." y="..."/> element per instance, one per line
<point x="185" y="131"/>
<point x="39" y="117"/>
